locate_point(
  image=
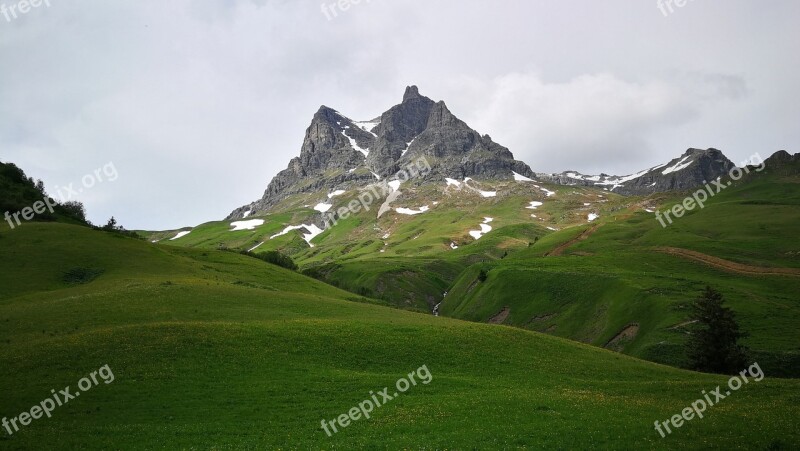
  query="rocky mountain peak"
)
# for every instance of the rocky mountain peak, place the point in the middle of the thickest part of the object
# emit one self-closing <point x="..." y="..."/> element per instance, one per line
<point x="782" y="157"/>
<point x="781" y="162"/>
<point x="338" y="152"/>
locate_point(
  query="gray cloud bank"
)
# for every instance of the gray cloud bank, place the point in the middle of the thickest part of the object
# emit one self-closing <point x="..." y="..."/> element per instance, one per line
<point x="199" y="103"/>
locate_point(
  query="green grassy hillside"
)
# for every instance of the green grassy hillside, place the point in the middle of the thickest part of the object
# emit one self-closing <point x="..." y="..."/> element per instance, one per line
<point x="212" y="349"/>
<point x="407" y="260"/>
<point x="618" y="279"/>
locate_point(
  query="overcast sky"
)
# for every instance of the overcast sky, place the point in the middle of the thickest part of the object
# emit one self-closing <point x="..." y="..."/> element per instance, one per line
<point x="199" y="103"/>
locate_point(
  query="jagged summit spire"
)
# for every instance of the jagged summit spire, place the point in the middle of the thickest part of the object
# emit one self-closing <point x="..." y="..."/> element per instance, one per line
<point x="412" y="92"/>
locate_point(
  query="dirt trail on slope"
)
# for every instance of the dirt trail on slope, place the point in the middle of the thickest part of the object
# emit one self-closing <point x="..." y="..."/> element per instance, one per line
<point x="683" y="324"/>
<point x="627" y="334"/>
<point x="727" y="265"/>
<point x="500" y="317"/>
<point x="560" y="249"/>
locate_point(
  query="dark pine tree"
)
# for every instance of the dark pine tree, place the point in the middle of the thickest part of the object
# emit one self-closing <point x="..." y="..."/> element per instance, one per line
<point x="111" y="226"/>
<point x="714" y="344"/>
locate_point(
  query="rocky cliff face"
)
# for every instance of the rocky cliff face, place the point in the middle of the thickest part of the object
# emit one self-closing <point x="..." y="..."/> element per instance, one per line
<point x="690" y="170"/>
<point x="782" y="163"/>
<point x="338" y="151"/>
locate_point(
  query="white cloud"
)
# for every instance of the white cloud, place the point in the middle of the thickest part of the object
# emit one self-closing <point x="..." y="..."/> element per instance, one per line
<point x="593" y="123"/>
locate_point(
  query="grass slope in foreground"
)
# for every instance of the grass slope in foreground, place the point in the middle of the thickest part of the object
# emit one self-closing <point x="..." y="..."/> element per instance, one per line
<point x="216" y="350"/>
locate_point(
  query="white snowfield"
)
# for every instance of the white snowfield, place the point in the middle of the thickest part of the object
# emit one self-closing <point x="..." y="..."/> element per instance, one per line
<point x="395" y="184"/>
<point x="313" y="230"/>
<point x="356" y="146"/>
<point x="408" y="146"/>
<point x="679" y="166"/>
<point x="593" y="216"/>
<point x="246" y="225"/>
<point x="336" y="193"/>
<point x="520" y="177"/>
<point x="408" y="211"/>
<point x="323" y="207"/>
<point x="534" y="205"/>
<point x="256" y="246"/>
<point x="368" y="126"/>
<point x="453" y="182"/>
<point x="180" y="235"/>
<point x="246" y="214"/>
<point x="485" y="228"/>
<point x="482" y="193"/>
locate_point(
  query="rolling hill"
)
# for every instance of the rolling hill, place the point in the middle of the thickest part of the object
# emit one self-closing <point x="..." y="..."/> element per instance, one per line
<point x="212" y="349"/>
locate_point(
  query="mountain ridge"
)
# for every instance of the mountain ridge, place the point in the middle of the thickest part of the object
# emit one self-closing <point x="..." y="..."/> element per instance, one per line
<point x="339" y="153"/>
<point x="692" y="169"/>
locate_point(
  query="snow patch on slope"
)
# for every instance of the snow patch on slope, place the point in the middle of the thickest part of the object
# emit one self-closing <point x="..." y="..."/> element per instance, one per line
<point x="323" y="207"/>
<point x="356" y="146"/>
<point x="485" y="228"/>
<point x="246" y="225"/>
<point x="482" y="193"/>
<point x="256" y="246"/>
<point x="368" y="126"/>
<point x="547" y="192"/>
<point x="180" y="235"/>
<point x="313" y="232"/>
<point x="520" y="178"/>
<point x="408" y="146"/>
<point x="408" y="211"/>
<point x="679" y="166"/>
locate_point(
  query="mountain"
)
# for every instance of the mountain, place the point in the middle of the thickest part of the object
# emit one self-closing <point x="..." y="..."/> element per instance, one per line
<point x="339" y="152"/>
<point x="692" y="169"/>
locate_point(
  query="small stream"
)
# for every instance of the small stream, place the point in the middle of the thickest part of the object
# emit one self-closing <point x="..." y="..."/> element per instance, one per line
<point x="436" y="307"/>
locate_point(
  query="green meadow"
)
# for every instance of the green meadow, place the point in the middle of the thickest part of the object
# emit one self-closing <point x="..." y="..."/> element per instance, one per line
<point x="211" y="349"/>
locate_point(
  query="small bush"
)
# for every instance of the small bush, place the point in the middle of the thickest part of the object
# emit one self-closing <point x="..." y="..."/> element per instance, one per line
<point x="78" y="276"/>
<point x="275" y="258"/>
